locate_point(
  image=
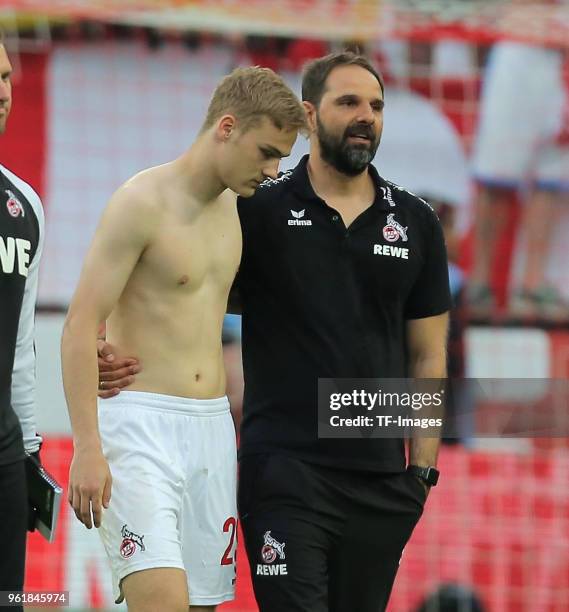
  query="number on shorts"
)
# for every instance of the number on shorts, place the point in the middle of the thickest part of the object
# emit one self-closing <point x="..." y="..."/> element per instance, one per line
<point x="229" y="525"/>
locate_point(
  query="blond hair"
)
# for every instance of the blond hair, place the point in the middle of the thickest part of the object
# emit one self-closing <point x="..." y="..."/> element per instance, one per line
<point x="252" y="93"/>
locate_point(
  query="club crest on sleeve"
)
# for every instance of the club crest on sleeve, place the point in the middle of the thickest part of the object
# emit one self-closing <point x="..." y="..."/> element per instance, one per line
<point x="14" y="206"/>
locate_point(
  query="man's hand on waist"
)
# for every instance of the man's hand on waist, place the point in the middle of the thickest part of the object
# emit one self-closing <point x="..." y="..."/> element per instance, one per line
<point x="114" y="374"/>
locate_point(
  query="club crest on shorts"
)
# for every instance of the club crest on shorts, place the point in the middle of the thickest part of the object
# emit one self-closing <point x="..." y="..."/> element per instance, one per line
<point x="130" y="542"/>
<point x="14" y="206"/>
<point x="271" y="548"/>
<point x="394" y="230"/>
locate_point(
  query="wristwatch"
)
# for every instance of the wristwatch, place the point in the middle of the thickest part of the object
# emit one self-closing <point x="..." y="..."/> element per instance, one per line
<point x="429" y="475"/>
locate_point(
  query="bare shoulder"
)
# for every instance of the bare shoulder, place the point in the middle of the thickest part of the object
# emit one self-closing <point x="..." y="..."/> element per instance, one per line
<point x="144" y="189"/>
<point x="140" y="198"/>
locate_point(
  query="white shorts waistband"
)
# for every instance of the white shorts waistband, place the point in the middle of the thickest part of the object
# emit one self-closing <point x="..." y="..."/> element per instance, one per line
<point x="169" y="403"/>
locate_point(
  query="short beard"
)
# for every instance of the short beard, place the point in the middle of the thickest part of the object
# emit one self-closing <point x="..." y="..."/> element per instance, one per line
<point x="349" y="159"/>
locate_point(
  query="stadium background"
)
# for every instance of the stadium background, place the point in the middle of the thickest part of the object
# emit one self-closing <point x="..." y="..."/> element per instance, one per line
<point x="96" y="101"/>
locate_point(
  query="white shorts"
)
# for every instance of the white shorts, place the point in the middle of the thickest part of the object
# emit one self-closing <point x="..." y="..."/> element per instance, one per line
<point x="520" y="115"/>
<point x="173" y="501"/>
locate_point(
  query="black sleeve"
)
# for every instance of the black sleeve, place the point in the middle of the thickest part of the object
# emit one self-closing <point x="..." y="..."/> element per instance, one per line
<point x="430" y="294"/>
<point x="234" y="300"/>
<point x="245" y="220"/>
<point x="250" y="212"/>
<point x="252" y="222"/>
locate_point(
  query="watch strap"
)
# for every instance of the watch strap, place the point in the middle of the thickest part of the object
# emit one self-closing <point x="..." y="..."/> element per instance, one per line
<point x="429" y="475"/>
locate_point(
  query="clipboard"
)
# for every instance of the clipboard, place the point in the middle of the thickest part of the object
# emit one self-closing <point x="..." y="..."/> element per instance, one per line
<point x="44" y="498"/>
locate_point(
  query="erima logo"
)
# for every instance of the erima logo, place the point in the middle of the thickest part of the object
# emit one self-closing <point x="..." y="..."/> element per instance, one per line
<point x="12" y="250"/>
<point x="298" y="218"/>
<point x="399" y="188"/>
<point x="387" y="195"/>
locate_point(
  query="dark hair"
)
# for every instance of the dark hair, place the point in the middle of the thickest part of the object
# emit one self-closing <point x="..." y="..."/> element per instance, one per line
<point x="316" y="73"/>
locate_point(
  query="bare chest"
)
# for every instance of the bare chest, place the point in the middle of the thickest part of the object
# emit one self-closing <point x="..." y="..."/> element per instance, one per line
<point x="188" y="255"/>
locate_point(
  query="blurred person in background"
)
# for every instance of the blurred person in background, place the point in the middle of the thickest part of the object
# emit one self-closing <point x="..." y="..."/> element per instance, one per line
<point x="460" y="404"/>
<point x="451" y="598"/>
<point x="21" y="242"/>
<point x="159" y="272"/>
<point x="326" y="293"/>
<point x="522" y="146"/>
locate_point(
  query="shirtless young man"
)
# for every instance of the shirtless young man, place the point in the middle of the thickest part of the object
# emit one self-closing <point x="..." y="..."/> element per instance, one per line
<point x="159" y="272"/>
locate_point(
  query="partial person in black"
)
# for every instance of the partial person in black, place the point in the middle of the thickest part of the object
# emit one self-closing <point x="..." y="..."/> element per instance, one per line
<point x="21" y="238"/>
<point x="343" y="275"/>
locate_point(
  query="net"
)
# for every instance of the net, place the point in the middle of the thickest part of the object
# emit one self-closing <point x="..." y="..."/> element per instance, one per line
<point x="543" y="22"/>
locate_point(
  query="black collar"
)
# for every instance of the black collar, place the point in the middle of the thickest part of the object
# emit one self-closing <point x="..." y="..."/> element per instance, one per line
<point x="303" y="187"/>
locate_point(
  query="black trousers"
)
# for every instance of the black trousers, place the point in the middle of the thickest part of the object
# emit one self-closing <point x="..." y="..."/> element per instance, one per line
<point x="13" y="527"/>
<point x="322" y="539"/>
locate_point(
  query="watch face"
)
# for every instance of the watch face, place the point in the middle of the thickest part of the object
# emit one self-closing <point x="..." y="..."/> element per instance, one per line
<point x="432" y="476"/>
<point x="429" y="475"/>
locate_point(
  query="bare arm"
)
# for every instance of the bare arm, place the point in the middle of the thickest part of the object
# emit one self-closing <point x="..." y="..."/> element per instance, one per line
<point x="123" y="233"/>
<point x="427" y="340"/>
